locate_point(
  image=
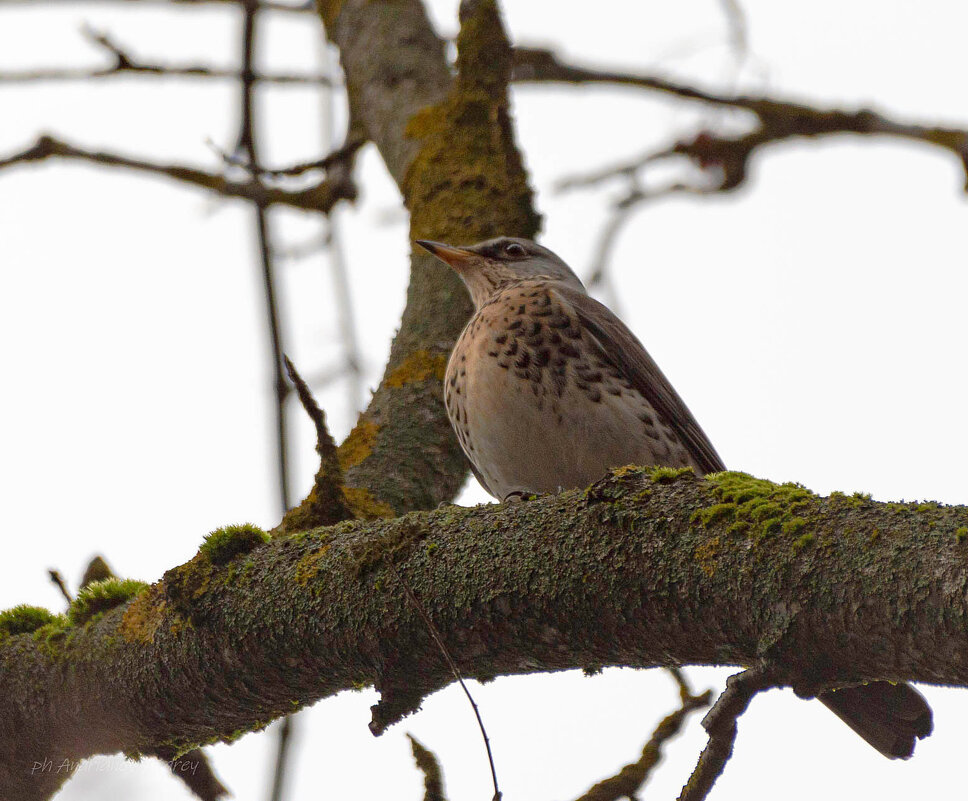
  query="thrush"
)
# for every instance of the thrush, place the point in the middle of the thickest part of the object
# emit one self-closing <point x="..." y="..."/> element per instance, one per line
<point x="547" y="389"/>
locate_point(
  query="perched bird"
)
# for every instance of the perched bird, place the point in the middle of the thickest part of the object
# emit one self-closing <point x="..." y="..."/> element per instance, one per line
<point x="547" y="390"/>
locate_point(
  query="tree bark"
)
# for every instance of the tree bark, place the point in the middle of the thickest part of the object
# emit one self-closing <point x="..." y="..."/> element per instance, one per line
<point x="638" y="571"/>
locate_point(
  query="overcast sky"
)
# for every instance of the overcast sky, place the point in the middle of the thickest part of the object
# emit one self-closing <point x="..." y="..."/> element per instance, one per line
<point x="814" y="323"/>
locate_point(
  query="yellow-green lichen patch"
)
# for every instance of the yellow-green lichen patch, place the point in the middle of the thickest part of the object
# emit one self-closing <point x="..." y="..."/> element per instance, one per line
<point x="308" y="566"/>
<point x="467" y="181"/>
<point x="364" y="505"/>
<point x="707" y="554"/>
<point x="628" y="470"/>
<point x="358" y="445"/>
<point x="100" y="596"/>
<point x="666" y="475"/>
<point x="23" y="619"/>
<point x="224" y="544"/>
<point x="143" y="616"/>
<point x="755" y="506"/>
<point x="418" y="366"/>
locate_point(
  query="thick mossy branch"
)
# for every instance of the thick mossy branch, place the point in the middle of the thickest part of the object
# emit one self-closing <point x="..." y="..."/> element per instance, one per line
<point x="450" y="147"/>
<point x="627" y="572"/>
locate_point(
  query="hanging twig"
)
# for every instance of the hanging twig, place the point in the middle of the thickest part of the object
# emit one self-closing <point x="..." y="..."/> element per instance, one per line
<point x="438" y="640"/>
<point x="429" y="765"/>
<point x="720" y="722"/>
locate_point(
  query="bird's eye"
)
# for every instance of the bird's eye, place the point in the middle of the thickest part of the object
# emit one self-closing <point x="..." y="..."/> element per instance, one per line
<point x="514" y="250"/>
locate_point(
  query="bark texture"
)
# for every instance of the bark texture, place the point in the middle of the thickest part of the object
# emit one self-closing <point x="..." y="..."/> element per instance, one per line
<point x="448" y="143"/>
<point x="643" y="569"/>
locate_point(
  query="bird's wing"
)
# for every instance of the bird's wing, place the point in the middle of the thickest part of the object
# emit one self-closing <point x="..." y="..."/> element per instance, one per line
<point x="619" y="346"/>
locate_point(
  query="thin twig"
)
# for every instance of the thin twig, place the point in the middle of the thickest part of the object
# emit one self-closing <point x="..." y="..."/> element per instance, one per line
<point x="627" y="781"/>
<point x="319" y="197"/>
<point x="123" y="64"/>
<point x="429" y="765"/>
<point x="247" y="146"/>
<point x="338" y="157"/>
<point x="720" y="722"/>
<point x="305" y="7"/>
<point x="435" y="634"/>
<point x="775" y="120"/>
<point x="58" y="581"/>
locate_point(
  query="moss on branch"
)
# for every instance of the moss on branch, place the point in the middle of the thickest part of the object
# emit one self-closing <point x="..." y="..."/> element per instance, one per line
<point x="637" y="570"/>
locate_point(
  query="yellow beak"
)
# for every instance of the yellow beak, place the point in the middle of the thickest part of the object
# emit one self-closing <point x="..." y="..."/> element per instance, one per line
<point x="455" y="257"/>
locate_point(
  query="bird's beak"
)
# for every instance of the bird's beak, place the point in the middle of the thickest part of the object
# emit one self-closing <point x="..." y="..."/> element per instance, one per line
<point x="458" y="258"/>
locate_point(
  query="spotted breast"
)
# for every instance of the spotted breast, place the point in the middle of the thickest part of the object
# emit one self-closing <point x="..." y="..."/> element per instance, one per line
<point x="539" y="405"/>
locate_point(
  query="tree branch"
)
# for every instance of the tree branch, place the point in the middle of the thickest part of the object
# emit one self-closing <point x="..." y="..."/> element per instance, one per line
<point x="720" y="722"/>
<point x="320" y="197"/>
<point x="265" y="5"/>
<point x="726" y="570"/>
<point x="449" y="145"/>
<point x="626" y="783"/>
<point x="776" y="121"/>
<point x="123" y="64"/>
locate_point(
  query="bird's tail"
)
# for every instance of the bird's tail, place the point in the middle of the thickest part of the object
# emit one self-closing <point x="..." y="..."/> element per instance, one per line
<point x="891" y="717"/>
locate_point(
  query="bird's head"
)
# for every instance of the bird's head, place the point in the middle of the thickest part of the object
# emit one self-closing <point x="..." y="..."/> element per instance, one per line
<point x="489" y="266"/>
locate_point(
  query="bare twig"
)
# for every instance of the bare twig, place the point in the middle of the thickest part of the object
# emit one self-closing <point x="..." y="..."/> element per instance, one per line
<point x="739" y="42"/>
<point x="775" y="121"/>
<point x="627" y="781"/>
<point x="123" y="63"/>
<point x="319" y="197"/>
<point x="326" y="503"/>
<point x="430" y="767"/>
<point x="58" y="581"/>
<point x="438" y="640"/>
<point x="720" y="722"/>
<point x="338" y="158"/>
<point x="305" y="7"/>
<point x="246" y="145"/>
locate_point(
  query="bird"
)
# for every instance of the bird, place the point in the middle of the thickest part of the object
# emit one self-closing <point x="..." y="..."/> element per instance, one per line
<point x="547" y="390"/>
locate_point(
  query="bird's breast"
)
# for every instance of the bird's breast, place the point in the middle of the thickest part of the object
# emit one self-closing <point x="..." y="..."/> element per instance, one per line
<point x="536" y="408"/>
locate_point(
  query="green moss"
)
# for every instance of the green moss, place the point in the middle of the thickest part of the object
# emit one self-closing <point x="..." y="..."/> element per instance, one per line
<point x="224" y="544"/>
<point x="793" y="525"/>
<point x="713" y="514"/>
<point x="804" y="541"/>
<point x="23" y="619"/>
<point x="755" y="506"/>
<point x="100" y="596"/>
<point x="961" y="533"/>
<point x="666" y="475"/>
<point x="52" y="635"/>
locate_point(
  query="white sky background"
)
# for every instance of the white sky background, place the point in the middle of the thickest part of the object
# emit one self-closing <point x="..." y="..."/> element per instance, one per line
<point x="815" y="324"/>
